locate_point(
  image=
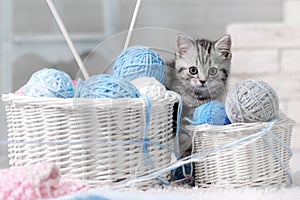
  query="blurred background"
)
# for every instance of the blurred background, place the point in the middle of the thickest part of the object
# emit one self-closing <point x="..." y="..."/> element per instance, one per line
<point x="265" y="33"/>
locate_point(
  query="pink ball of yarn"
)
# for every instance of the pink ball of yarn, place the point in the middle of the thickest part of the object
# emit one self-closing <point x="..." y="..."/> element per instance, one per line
<point x="74" y="82"/>
<point x="21" y="90"/>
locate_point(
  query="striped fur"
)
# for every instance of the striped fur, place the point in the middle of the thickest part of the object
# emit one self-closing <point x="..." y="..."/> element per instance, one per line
<point x="205" y="57"/>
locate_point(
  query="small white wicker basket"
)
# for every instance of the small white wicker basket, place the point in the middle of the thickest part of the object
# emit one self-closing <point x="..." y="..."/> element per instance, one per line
<point x="97" y="140"/>
<point x="243" y="154"/>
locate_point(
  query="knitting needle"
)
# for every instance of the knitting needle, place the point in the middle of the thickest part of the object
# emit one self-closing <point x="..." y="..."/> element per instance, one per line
<point x="132" y="24"/>
<point x="68" y="39"/>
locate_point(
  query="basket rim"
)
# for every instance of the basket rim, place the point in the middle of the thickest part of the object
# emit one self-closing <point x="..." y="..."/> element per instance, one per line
<point x="282" y="120"/>
<point x="18" y="99"/>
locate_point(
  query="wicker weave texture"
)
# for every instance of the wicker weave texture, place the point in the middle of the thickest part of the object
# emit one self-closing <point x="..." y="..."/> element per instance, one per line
<point x="97" y="140"/>
<point x="251" y="164"/>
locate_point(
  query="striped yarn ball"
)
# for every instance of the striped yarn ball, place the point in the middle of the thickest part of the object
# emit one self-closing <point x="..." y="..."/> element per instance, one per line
<point x="139" y="61"/>
<point x="107" y="86"/>
<point x="252" y="101"/>
<point x="210" y="113"/>
<point x="50" y="83"/>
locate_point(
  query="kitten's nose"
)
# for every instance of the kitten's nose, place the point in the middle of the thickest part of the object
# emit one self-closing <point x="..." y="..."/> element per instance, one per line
<point x="202" y="82"/>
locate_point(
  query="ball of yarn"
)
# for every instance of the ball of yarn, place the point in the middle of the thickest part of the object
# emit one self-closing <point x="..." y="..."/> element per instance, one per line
<point x="21" y="91"/>
<point x="184" y="173"/>
<point x="139" y="61"/>
<point x="107" y="86"/>
<point x="50" y="83"/>
<point x="252" y="101"/>
<point x="75" y="82"/>
<point x="149" y="86"/>
<point x="210" y="113"/>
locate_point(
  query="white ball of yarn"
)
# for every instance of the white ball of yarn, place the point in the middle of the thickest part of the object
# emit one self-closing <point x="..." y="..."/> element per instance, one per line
<point x="149" y="86"/>
<point x="251" y="101"/>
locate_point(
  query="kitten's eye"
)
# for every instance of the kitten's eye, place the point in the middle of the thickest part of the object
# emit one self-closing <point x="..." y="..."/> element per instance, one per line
<point x="193" y="70"/>
<point x="212" y="71"/>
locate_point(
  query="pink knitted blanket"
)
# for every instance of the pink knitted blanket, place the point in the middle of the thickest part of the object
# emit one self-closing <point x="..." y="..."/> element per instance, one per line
<point x="38" y="181"/>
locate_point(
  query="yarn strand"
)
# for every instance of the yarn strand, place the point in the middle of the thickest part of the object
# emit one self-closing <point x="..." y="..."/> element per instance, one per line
<point x="147" y="157"/>
<point x="278" y="158"/>
<point x="204" y="155"/>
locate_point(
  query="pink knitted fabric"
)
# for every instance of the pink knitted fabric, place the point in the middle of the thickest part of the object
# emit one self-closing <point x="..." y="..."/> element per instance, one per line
<point x="38" y="181"/>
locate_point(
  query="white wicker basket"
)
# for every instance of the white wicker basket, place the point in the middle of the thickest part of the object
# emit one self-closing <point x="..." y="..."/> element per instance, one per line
<point x="97" y="140"/>
<point x="243" y="154"/>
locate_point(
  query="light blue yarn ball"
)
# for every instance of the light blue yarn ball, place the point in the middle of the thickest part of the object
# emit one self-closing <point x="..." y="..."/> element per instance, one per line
<point x="139" y="61"/>
<point x="50" y="83"/>
<point x="210" y="113"/>
<point x="107" y="86"/>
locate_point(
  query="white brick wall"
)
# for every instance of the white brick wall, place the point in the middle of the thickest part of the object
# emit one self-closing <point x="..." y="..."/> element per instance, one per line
<point x="258" y="61"/>
<point x="290" y="62"/>
<point x="271" y="52"/>
<point x="264" y="35"/>
<point x="291" y="10"/>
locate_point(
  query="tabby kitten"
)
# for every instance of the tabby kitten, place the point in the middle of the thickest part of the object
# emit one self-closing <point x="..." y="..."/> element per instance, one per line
<point x="199" y="72"/>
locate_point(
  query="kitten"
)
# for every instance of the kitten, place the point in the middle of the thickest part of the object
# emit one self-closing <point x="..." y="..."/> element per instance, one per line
<point x="199" y="73"/>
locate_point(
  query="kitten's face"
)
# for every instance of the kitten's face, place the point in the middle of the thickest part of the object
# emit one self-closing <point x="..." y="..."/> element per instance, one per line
<point x="203" y="67"/>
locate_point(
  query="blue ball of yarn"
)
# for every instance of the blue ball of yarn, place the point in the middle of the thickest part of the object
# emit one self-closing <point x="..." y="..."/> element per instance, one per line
<point x="187" y="176"/>
<point x="139" y="61"/>
<point x="107" y="86"/>
<point x="210" y="113"/>
<point x="50" y="83"/>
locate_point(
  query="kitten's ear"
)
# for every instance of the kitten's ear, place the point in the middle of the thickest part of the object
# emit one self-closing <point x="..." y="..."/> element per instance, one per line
<point x="223" y="46"/>
<point x="183" y="44"/>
